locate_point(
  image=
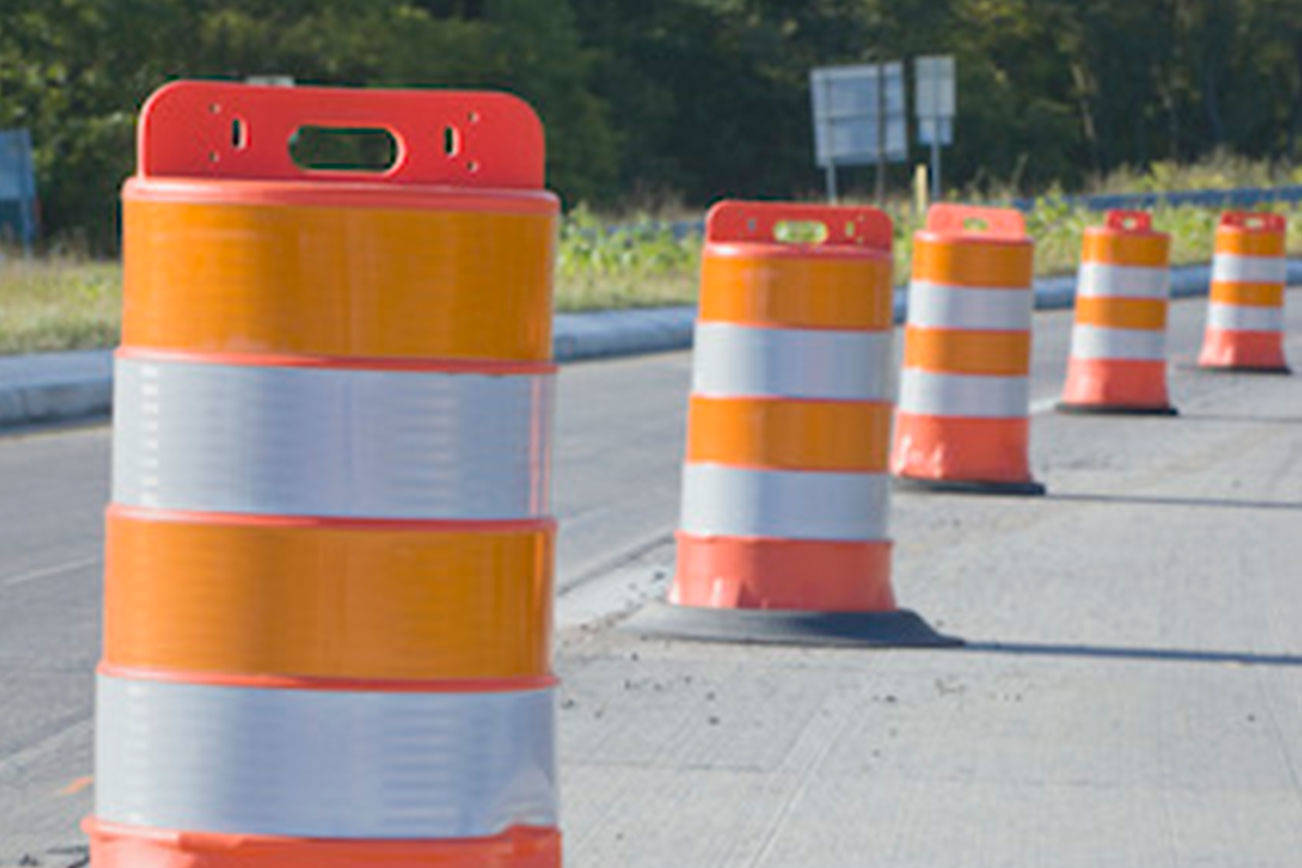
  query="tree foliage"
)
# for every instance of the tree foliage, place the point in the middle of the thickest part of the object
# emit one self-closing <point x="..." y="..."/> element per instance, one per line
<point x="687" y="98"/>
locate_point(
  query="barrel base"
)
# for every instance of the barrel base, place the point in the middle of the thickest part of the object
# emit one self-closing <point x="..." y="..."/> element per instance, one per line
<point x="1114" y="409"/>
<point x="1282" y="370"/>
<point x="968" y="486"/>
<point x="114" y="845"/>
<point x="900" y="628"/>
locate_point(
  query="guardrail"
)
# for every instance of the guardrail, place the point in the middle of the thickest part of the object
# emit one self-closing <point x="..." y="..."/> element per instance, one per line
<point x="1234" y="197"/>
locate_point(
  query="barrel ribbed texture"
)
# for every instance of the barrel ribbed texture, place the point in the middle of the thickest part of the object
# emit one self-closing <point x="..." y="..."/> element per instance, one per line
<point x="1245" y="314"/>
<point x="963" y="404"/>
<point x="1118" y="341"/>
<point x="329" y="554"/>
<point x="785" y="493"/>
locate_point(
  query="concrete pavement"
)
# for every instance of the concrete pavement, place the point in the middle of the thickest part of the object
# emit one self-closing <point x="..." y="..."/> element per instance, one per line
<point x="1132" y="693"/>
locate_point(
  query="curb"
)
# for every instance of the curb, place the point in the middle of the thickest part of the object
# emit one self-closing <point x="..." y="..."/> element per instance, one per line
<point x="51" y="387"/>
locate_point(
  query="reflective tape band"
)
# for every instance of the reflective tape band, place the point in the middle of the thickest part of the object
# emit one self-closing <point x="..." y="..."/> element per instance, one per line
<point x="1101" y="342"/>
<point x="1245" y="318"/>
<point x="1249" y="269"/>
<point x="933" y="305"/>
<point x="320" y="763"/>
<point x="732" y="360"/>
<point x="330" y="442"/>
<point x="1099" y="280"/>
<point x="790" y="504"/>
<point x="931" y="394"/>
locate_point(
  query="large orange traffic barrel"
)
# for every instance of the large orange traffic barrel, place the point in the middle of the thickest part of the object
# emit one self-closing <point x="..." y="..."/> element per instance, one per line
<point x="785" y="498"/>
<point x="962" y="422"/>
<point x="329" y="555"/>
<point x="1245" y="316"/>
<point x="1118" y="342"/>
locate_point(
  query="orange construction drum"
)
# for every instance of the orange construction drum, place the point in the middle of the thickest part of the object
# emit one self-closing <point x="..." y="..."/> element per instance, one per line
<point x="962" y="422"/>
<point x="329" y="553"/>
<point x="1245" y="317"/>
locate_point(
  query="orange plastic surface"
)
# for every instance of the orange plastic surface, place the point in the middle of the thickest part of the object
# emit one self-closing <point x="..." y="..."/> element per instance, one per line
<point x="186" y="131"/>
<point x="1248" y="294"/>
<point x="961" y="448"/>
<point x="960" y="351"/>
<point x="1136" y="383"/>
<point x="114" y="845"/>
<point x="954" y="222"/>
<point x="852" y="226"/>
<point x="743" y="285"/>
<point x="336" y="599"/>
<point x="1126" y="238"/>
<point x="337" y="281"/>
<point x="789" y="434"/>
<point x="758" y="573"/>
<point x="1251" y="233"/>
<point x="1121" y="313"/>
<point x="943" y="261"/>
<point x="1225" y="348"/>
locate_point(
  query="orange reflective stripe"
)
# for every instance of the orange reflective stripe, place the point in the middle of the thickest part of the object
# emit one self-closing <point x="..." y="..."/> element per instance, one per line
<point x="1254" y="294"/>
<point x="971" y="264"/>
<point x="958" y="351"/>
<point x="337" y="281"/>
<point x="1114" y="248"/>
<point x="342" y="600"/>
<point x="116" y="845"/>
<point x="838" y="292"/>
<point x="790" y="434"/>
<point x="1121" y="313"/>
<point x="1249" y="243"/>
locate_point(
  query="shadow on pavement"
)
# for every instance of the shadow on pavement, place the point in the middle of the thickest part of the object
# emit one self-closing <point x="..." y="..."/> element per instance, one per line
<point x="1150" y="500"/>
<point x="1221" y="417"/>
<point x="1181" y="655"/>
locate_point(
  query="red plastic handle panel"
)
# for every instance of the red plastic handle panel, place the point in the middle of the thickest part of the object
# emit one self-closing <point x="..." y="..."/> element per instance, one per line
<point x="186" y="131"/>
<point x="1254" y="221"/>
<point x="1129" y="221"/>
<point x="1001" y="223"/>
<point x="847" y="225"/>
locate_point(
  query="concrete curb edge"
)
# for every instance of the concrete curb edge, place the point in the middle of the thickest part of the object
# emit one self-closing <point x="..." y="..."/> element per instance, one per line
<point x="51" y="387"/>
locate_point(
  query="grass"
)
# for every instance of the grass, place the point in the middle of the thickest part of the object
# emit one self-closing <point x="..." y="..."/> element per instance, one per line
<point x="61" y="301"/>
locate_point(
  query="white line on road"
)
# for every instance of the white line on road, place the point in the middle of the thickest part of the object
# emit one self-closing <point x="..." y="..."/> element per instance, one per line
<point x="45" y="572"/>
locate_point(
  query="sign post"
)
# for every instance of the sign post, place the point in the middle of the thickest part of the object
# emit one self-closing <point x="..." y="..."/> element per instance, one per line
<point x="859" y="118"/>
<point x="933" y="103"/>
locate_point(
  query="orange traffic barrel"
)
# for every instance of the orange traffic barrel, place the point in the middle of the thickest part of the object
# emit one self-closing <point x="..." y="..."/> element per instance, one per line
<point x="785" y="493"/>
<point x="328" y="573"/>
<point x="962" y="422"/>
<point x="1245" y="316"/>
<point x="1118" y="342"/>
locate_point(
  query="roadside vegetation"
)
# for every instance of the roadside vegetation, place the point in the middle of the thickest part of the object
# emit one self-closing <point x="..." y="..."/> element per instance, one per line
<point x="63" y="300"/>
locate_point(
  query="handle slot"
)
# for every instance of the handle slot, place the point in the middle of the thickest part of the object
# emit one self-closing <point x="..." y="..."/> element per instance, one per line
<point x="976" y="222"/>
<point x="1129" y="221"/>
<point x="343" y="149"/>
<point x="221" y="130"/>
<point x="1254" y="221"/>
<point x="792" y="223"/>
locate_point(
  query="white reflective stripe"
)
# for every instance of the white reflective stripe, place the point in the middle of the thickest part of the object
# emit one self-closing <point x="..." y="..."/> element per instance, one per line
<point x="733" y="360"/>
<point x="319" y="763"/>
<point x="1237" y="268"/>
<point x="1101" y="280"/>
<point x="1245" y="317"/>
<point x="989" y="397"/>
<point x="791" y="504"/>
<point x="331" y="442"/>
<point x="1101" y="342"/>
<point x="934" y="305"/>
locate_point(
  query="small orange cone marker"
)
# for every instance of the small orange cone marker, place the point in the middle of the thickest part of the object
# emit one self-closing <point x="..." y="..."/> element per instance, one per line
<point x="783" y="533"/>
<point x="1118" y="343"/>
<point x="1245" y="316"/>
<point x="962" y="423"/>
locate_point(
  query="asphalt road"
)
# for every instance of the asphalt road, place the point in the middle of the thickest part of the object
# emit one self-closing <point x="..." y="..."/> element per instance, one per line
<point x="1132" y="693"/>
